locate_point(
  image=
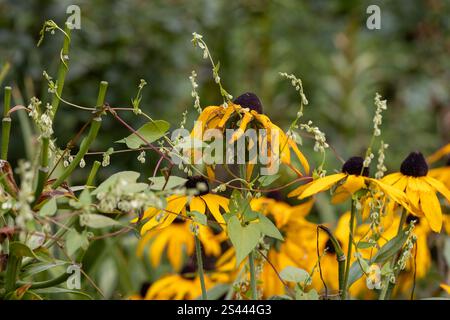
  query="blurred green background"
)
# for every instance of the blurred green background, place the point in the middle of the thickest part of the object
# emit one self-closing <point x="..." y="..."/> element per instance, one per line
<point x="326" y="43"/>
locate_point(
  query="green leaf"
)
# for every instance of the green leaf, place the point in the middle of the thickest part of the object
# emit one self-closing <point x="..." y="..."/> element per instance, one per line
<point x="390" y="248"/>
<point x="75" y="241"/>
<point x="199" y="217"/>
<point x="97" y="221"/>
<point x="20" y="250"/>
<point x="268" y="180"/>
<point x="294" y="274"/>
<point x="151" y="131"/>
<point x="85" y="197"/>
<point x="365" y="245"/>
<point x="173" y="182"/>
<point x="268" y="228"/>
<point x="39" y="267"/>
<point x="128" y="176"/>
<point x="355" y="273"/>
<point x="49" y="208"/>
<point x="244" y="239"/>
<point x="58" y="290"/>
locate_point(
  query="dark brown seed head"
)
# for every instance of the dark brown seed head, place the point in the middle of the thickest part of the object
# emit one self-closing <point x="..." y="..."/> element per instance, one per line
<point x="354" y="166"/>
<point x="414" y="165"/>
<point x="249" y="100"/>
<point x="276" y="195"/>
<point x="198" y="183"/>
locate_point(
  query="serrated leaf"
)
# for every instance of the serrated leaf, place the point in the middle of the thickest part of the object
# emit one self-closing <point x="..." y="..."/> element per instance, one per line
<point x="97" y="221"/>
<point x="199" y="217"/>
<point x="267" y="227"/>
<point x="268" y="180"/>
<point x="157" y="183"/>
<point x="244" y="239"/>
<point x="294" y="274"/>
<point x="151" y="131"/>
<point x="49" y="208"/>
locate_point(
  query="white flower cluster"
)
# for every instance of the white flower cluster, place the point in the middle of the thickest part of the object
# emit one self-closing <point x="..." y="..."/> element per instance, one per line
<point x="141" y="157"/>
<point x="43" y="120"/>
<point x="409" y="245"/>
<point x="123" y="196"/>
<point x="194" y="92"/>
<point x="321" y="141"/>
<point x="381" y="168"/>
<point x="107" y="157"/>
<point x="378" y="118"/>
<point x="368" y="160"/>
<point x="67" y="159"/>
<point x="298" y="85"/>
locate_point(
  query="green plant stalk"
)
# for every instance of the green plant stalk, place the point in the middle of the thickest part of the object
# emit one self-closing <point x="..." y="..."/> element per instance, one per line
<point x="6" y="123"/>
<point x="11" y="272"/>
<point x="62" y="70"/>
<point x="46" y="284"/>
<point x="201" y="274"/>
<point x="84" y="148"/>
<point x="387" y="285"/>
<point x="93" y="173"/>
<point x="253" y="287"/>
<point x="349" y="251"/>
<point x="43" y="168"/>
<point x="340" y="257"/>
<point x="85" y="144"/>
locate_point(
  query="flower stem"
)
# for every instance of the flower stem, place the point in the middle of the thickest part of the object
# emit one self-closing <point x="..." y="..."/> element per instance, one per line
<point x="253" y="287"/>
<point x="62" y="70"/>
<point x="6" y="123"/>
<point x="388" y="285"/>
<point x="201" y="274"/>
<point x="93" y="173"/>
<point x="349" y="251"/>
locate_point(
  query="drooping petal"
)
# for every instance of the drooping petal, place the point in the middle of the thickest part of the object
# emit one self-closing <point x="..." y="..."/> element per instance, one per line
<point x="227" y="114"/>
<point x="214" y="202"/>
<point x="322" y="184"/>
<point x="242" y="127"/>
<point x="431" y="207"/>
<point x="439" y="154"/>
<point x="197" y="204"/>
<point x="300" y="156"/>
<point x="439" y="186"/>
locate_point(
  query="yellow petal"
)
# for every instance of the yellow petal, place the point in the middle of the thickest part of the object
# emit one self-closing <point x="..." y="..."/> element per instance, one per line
<point x="197" y="204"/>
<point x="211" y="173"/>
<point x="439" y="186"/>
<point x="431" y="208"/>
<point x="300" y="156"/>
<point x="340" y="195"/>
<point x="354" y="183"/>
<point x="392" y="178"/>
<point x="445" y="287"/>
<point x="213" y="202"/>
<point x="297" y="191"/>
<point x="321" y="184"/>
<point x="228" y="112"/>
<point x="242" y="127"/>
<point x="439" y="154"/>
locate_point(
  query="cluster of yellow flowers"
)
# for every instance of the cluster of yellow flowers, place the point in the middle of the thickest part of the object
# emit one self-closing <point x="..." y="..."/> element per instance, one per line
<point x="402" y="205"/>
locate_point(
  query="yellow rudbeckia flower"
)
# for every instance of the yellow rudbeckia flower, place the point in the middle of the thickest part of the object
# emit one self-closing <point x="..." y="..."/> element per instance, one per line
<point x="177" y="240"/>
<point x="245" y="111"/>
<point x="442" y="174"/>
<point x="420" y="189"/>
<point x="353" y="178"/>
<point x="177" y="204"/>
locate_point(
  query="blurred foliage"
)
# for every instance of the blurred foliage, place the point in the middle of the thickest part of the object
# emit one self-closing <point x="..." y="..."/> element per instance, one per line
<point x="326" y="43"/>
